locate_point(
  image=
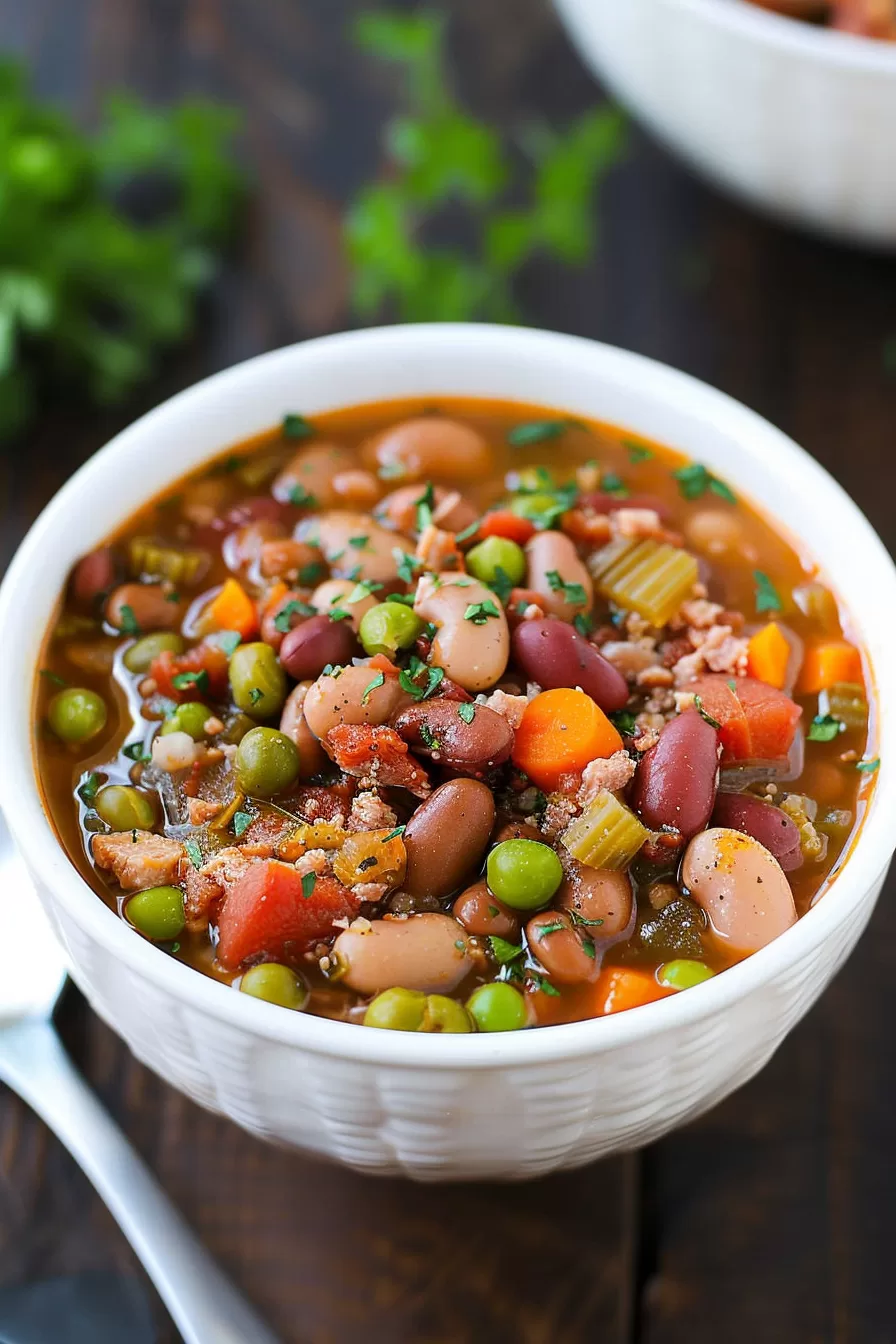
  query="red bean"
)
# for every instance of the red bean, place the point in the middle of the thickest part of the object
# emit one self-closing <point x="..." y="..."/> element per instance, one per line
<point x="556" y="656"/>
<point x="447" y="837"/>
<point x="675" y="783"/>
<point x="568" y="955"/>
<point x="438" y="729"/>
<point x="483" y="914"/>
<point x="768" y="824"/>
<point x="94" y="575"/>
<point x="308" y="649"/>
<point x="259" y="509"/>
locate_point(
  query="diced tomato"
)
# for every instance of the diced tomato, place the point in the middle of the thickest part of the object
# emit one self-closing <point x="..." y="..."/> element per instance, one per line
<point x="360" y="749"/>
<point x="758" y="722"/>
<point x="205" y="658"/>
<point x="267" y="914"/>
<point x="503" y="523"/>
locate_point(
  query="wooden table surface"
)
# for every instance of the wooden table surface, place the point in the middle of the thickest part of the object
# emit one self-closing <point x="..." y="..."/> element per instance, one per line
<point x="771" y="1219"/>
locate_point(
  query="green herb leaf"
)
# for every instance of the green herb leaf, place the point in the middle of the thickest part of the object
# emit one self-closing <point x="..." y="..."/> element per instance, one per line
<point x="338" y="614"/>
<point x="378" y="680"/>
<point x="583" y="624"/>
<point x="228" y="640"/>
<point x="310" y="573"/>
<point x="503" y="951"/>
<point x="544" y="985"/>
<point x="637" y="452"/>
<point x="393" y="835"/>
<point x="614" y="485"/>
<point x="869" y="767"/>
<point x="194" y="853"/>
<point x="198" y="680"/>
<point x="707" y="717"/>
<point x="467" y="712"/>
<point x="135" y="751"/>
<point x="573" y="593"/>
<point x="468" y="532"/>
<point x="295" y="426"/>
<point x="89" y="789"/>
<point x="424" y="508"/>
<point x="501" y="585"/>
<point x="301" y="498"/>
<point x="309" y="880"/>
<point x="283" y="619"/>
<point x="408" y="679"/>
<point x="624" y="721"/>
<point x="480" y="612"/>
<point x="406" y="564"/>
<point x="824" y="728"/>
<point x="767" y="598"/>
<point x="694" y="480"/>
<point x="359" y="543"/>
<point x="557" y="926"/>
<point x="129" y="624"/>
<point x="255" y="694"/>
<point x="53" y="677"/>
<point x="241" y="823"/>
<point x="366" y="588"/>
<point x="535" y="431"/>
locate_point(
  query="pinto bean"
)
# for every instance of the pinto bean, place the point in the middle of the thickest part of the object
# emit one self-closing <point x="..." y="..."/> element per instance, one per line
<point x="311" y="472"/>
<point x="336" y="531"/>
<point x="740" y="886"/>
<point x="768" y="824"/>
<point x="451" y="511"/>
<point x="554" y="562"/>
<point x="315" y="644"/>
<point x="93" y="575"/>
<point x="347" y="698"/>
<point x="483" y="914"/>
<point x="149" y="607"/>
<point x="447" y="837"/>
<point x="555" y="655"/>
<point x="568" y="956"/>
<point x="242" y="547"/>
<point x="472" y="652"/>
<point x="330" y="596"/>
<point x="596" y="894"/>
<point x="312" y="757"/>
<point x="429" y="446"/>
<point x="269" y="632"/>
<point x="284" y="558"/>
<point x="356" y="489"/>
<point x="437" y="729"/>
<point x="428" y="952"/>
<point x="675" y="782"/>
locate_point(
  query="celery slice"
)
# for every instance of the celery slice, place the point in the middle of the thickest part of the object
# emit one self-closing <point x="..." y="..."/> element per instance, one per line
<point x="606" y="835"/>
<point x="648" y="577"/>
<point x="147" y="559"/>
<point x="845" y="700"/>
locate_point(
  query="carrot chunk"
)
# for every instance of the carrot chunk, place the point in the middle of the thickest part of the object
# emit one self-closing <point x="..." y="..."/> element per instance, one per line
<point x="768" y="655"/>
<point x="561" y="732"/>
<point x="272" y="911"/>
<point x="828" y="662"/>
<point x="230" y="609"/>
<point x="503" y="523"/>
<point x="619" y="988"/>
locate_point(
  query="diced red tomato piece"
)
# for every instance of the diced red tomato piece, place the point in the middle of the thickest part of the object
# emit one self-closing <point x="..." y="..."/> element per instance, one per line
<point x="207" y="658"/>
<point x="503" y="523"/>
<point x="267" y="914"/>
<point x="758" y="722"/>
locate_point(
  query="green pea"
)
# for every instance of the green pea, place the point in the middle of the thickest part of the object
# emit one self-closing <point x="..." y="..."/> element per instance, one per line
<point x="267" y="762"/>
<point x="524" y="874"/>
<point x="257" y="681"/>
<point x="497" y="553"/>
<point x="76" y="714"/>
<point x="157" y="912"/>
<point x="125" y="808"/>
<point x="388" y="627"/>
<point x="397" y="1010"/>
<point x="275" y="984"/>
<point x="445" y="1015"/>
<point x="141" y="655"/>
<point x="683" y="973"/>
<point x="497" y="1007"/>
<point x="190" y="718"/>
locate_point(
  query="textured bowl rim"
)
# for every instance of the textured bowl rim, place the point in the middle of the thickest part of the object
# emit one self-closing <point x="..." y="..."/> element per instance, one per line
<point x="680" y="393"/>
<point x="849" y="50"/>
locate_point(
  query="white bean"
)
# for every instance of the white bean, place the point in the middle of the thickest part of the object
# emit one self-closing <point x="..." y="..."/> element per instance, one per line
<point x="741" y="886"/>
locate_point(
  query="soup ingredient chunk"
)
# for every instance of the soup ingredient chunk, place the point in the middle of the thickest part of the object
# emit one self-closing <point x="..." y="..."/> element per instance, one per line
<point x="77" y="714"/>
<point x="741" y="886"/>
<point x="524" y="874"/>
<point x="274" y="911"/>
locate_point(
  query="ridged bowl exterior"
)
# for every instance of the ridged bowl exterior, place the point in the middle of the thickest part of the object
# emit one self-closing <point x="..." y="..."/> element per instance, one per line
<point x="446" y="1107"/>
<point x="792" y="118"/>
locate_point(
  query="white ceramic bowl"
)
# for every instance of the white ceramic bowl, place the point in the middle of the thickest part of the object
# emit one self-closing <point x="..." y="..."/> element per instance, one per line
<point x="444" y="1107"/>
<point x="790" y="117"/>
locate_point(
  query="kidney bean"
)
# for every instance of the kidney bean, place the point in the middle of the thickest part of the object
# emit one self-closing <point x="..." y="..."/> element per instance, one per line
<point x="348" y="698"/>
<point x="768" y="824"/>
<point x="568" y="956"/>
<point x="312" y="757"/>
<point x="93" y="575"/>
<point x="426" y="952"/>
<point x="436" y="729"/>
<point x="447" y="837"/>
<point x="259" y="509"/>
<point x="555" y="655"/>
<point x="675" y="782"/>
<point x="314" y="644"/>
<point x="596" y="893"/>
<point x="483" y="914"/>
<point x="149" y="608"/>
<point x="740" y="886"/>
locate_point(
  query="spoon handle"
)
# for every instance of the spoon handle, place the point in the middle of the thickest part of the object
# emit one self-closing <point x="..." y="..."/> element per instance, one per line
<point x="205" y="1307"/>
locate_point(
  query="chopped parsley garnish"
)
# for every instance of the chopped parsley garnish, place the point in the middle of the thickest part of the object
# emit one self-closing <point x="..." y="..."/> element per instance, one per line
<point x="359" y="543"/>
<point x="283" y="619"/>
<point x="547" y="507"/>
<point x="503" y="951"/>
<point x="544" y="985"/>
<point x="338" y="614"/>
<point x="636" y="451"/>
<point x="868" y="767"/>
<point x="624" y="721"/>
<point x="184" y="681"/>
<point x="366" y="588"/>
<point x="393" y="835"/>
<point x="767" y="598"/>
<point x="241" y="823"/>
<point x="406" y="564"/>
<point x="824" y="728"/>
<point x="408" y="678"/>
<point x="614" y="485"/>
<point x="229" y="640"/>
<point x="406" y="599"/>
<point x="694" y="480"/>
<point x="583" y="624"/>
<point x="129" y="624"/>
<point x="468" y="532"/>
<point x="573" y="593"/>
<point x="295" y="426"/>
<point x="501" y="585"/>
<point x="332" y="670"/>
<point x="466" y="712"/>
<point x="302" y="499"/>
<point x="255" y="695"/>
<point x="429" y="739"/>
<point x="173" y="596"/>
<point x="493" y="911"/>
<point x="581" y="919"/>
<point x="698" y="705"/>
<point x="308" y="883"/>
<point x="90" y="788"/>
<point x="480" y="612"/>
<point x="135" y="751"/>
<point x="194" y="853"/>
<point x="535" y="431"/>
<point x="53" y="677"/>
<point x="588" y="948"/>
<point x="378" y="680"/>
<point x="424" y="508"/>
<point x="310" y="573"/>
<point x="557" y="926"/>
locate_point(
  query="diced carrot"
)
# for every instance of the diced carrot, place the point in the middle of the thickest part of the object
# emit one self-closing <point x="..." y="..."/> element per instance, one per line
<point x="757" y="721"/>
<point x="619" y="988"/>
<point x="561" y="731"/>
<point x="768" y="655"/>
<point x="272" y="911"/>
<point x="503" y="523"/>
<point x="230" y="609"/>
<point x="198" y="674"/>
<point x="273" y="597"/>
<point x="828" y="662"/>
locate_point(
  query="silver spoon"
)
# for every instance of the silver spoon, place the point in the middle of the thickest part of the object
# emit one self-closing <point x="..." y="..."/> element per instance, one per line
<point x="205" y="1307"/>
